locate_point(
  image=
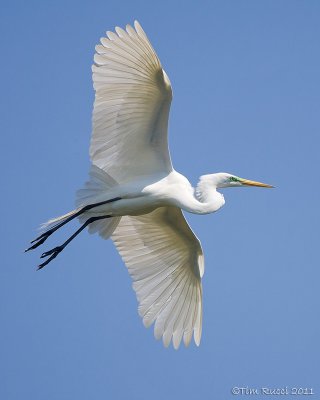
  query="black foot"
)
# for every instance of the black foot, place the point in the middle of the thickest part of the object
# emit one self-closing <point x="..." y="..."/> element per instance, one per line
<point x="53" y="252"/>
<point x="39" y="240"/>
<point x="57" y="250"/>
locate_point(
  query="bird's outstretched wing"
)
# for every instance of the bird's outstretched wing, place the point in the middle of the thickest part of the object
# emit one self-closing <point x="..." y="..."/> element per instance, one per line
<point x="131" y="108"/>
<point x="165" y="261"/>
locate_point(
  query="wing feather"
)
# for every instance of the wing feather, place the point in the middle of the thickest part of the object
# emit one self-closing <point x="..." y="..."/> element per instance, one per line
<point x="131" y="108"/>
<point x="165" y="261"/>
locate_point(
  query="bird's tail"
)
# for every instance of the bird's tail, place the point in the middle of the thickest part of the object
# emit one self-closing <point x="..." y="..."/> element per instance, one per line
<point x="97" y="186"/>
<point x="54" y="221"/>
<point x="94" y="190"/>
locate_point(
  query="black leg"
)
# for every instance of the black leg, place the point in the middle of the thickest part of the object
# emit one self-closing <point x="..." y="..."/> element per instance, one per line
<point x="44" y="236"/>
<point x="55" y="251"/>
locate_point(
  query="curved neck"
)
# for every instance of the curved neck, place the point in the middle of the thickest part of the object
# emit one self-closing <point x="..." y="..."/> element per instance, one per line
<point x="206" y="193"/>
<point x="204" y="199"/>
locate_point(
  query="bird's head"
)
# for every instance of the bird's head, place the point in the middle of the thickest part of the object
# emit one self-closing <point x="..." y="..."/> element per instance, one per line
<point x="223" y="180"/>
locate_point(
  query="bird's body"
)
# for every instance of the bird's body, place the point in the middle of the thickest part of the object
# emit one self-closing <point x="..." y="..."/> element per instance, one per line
<point x="135" y="196"/>
<point x="148" y="193"/>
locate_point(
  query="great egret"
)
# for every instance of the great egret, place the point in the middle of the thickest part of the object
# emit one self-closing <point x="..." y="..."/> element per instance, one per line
<point x="135" y="196"/>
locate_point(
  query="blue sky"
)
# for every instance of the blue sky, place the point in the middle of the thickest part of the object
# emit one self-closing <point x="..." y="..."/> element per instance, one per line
<point x="245" y="76"/>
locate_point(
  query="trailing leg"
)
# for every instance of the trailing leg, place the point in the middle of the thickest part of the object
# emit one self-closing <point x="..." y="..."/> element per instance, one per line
<point x="55" y="251"/>
<point x="44" y="236"/>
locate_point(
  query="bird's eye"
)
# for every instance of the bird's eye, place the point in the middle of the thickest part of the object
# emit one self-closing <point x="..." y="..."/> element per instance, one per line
<point x="233" y="179"/>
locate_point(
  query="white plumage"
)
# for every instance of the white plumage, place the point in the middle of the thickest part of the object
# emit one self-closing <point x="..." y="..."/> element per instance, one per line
<point x="129" y="140"/>
<point x="165" y="261"/>
<point x="135" y="196"/>
<point x="131" y="108"/>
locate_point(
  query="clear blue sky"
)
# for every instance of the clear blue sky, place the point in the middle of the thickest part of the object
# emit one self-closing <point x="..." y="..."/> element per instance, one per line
<point x="246" y="81"/>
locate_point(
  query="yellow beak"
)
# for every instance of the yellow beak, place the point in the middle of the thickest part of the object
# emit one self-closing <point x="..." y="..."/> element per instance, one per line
<point x="247" y="182"/>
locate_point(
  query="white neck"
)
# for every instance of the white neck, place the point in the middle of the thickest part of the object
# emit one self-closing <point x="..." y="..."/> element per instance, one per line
<point x="207" y="199"/>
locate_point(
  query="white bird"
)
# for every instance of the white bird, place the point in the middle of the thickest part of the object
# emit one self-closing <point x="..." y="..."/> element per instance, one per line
<point x="135" y="196"/>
